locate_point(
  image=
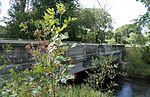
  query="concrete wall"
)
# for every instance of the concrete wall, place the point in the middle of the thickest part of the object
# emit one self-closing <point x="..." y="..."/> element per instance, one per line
<point x="18" y="54"/>
<point x="81" y="54"/>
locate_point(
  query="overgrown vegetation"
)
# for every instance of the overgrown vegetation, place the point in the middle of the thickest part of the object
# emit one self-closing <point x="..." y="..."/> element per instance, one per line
<point x="138" y="61"/>
<point x="82" y="91"/>
<point x="51" y="67"/>
<point x="93" y="25"/>
<point x="103" y="70"/>
<point x="5" y="54"/>
<point x="97" y="20"/>
<point x="31" y="10"/>
<point x="2" y="31"/>
<point x="49" y="56"/>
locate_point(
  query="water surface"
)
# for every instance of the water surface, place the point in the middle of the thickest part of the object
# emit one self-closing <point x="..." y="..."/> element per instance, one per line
<point x="133" y="88"/>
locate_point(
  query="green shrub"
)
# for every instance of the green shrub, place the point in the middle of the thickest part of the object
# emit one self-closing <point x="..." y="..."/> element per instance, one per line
<point x="48" y="69"/>
<point x="137" y="58"/>
<point x="90" y="37"/>
<point x="103" y="69"/>
<point x="146" y="54"/>
<point x="42" y="80"/>
<point x="4" y="55"/>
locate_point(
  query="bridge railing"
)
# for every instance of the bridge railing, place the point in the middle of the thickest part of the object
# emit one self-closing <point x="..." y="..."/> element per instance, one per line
<point x="81" y="54"/>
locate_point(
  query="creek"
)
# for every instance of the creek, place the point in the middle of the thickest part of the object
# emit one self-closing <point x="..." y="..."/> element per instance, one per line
<point x="129" y="87"/>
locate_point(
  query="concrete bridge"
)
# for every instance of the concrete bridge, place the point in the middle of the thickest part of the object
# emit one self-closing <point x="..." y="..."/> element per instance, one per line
<point x="81" y="54"/>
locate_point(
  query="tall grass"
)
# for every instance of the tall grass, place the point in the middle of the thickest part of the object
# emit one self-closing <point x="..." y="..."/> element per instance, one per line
<point x="81" y="91"/>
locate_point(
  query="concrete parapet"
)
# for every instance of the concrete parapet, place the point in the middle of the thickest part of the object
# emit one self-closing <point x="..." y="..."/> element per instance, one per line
<point x="81" y="54"/>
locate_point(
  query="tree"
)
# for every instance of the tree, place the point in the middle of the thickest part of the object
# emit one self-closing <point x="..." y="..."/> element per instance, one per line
<point x="144" y="19"/>
<point x="122" y="33"/>
<point x="133" y="37"/>
<point x="31" y="10"/>
<point x="2" y="31"/>
<point x="17" y="14"/>
<point x="38" y="6"/>
<point x="49" y="68"/>
<point x="94" y="20"/>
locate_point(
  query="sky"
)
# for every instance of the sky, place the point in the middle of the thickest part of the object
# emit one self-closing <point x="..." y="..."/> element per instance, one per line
<point x="4" y="8"/>
<point x="122" y="11"/>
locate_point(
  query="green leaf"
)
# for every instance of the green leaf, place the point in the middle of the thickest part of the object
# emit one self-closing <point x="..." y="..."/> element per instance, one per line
<point x="69" y="77"/>
<point x="51" y="22"/>
<point x="70" y="65"/>
<point x="35" y="91"/>
<point x="13" y="95"/>
<point x="73" y="45"/>
<point x="60" y="8"/>
<point x="63" y="36"/>
<point x="38" y="68"/>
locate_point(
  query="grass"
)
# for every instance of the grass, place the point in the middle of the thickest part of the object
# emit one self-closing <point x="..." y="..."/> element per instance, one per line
<point x="81" y="91"/>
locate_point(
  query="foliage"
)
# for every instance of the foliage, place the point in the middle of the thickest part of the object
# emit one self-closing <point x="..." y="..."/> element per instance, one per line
<point x="39" y="6"/>
<point x="51" y="65"/>
<point x="81" y="91"/>
<point x="146" y="54"/>
<point x="111" y="41"/>
<point x="103" y="70"/>
<point x="17" y="15"/>
<point x="133" y="37"/>
<point x="145" y="2"/>
<point x="98" y="21"/>
<point x="138" y="61"/>
<point x="123" y="33"/>
<point x="134" y="55"/>
<point x="144" y="20"/>
<point x="32" y="10"/>
<point x="90" y="37"/>
<point x="49" y="68"/>
<point x="4" y="55"/>
<point x="63" y="91"/>
<point x="2" y="31"/>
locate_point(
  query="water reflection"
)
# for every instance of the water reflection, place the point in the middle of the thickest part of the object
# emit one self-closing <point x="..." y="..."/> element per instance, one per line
<point x="126" y="91"/>
<point x="134" y="88"/>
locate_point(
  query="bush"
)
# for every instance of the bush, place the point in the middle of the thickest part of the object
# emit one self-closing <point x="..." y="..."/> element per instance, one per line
<point x="50" y="64"/>
<point x="49" y="68"/>
<point x="137" y="58"/>
<point x="103" y="70"/>
<point x="90" y="37"/>
<point x="146" y="54"/>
